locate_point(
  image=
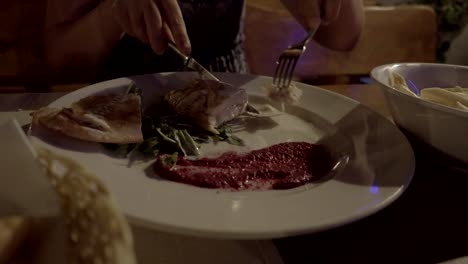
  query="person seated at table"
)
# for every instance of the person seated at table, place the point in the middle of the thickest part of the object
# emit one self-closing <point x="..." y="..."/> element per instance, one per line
<point x="452" y="27"/>
<point x="113" y="38"/>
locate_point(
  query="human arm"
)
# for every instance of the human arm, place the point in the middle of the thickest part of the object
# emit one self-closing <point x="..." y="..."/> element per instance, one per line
<point x="341" y="21"/>
<point x="78" y="38"/>
<point x="81" y="36"/>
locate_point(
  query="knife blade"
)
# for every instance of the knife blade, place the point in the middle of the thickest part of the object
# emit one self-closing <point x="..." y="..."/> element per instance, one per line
<point x="191" y="63"/>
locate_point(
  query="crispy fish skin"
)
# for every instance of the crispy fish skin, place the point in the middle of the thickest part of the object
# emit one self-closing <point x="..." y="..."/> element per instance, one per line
<point x="208" y="103"/>
<point x="109" y="118"/>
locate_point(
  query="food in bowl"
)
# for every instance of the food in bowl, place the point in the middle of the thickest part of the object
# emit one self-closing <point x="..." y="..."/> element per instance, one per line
<point x="455" y="97"/>
<point x="435" y="117"/>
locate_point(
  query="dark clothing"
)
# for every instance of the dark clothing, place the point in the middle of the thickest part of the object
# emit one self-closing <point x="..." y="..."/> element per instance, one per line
<point x="215" y="30"/>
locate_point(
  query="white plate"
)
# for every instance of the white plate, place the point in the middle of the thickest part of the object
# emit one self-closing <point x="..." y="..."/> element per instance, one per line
<point x="380" y="167"/>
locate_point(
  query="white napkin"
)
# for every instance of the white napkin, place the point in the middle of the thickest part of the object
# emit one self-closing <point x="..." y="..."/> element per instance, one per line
<point x="24" y="188"/>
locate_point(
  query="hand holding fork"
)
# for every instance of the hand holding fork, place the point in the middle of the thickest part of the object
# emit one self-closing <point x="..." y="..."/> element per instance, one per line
<point x="287" y="62"/>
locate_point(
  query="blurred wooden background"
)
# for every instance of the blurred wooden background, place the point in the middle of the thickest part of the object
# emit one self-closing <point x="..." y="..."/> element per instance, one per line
<point x="392" y="34"/>
<point x="20" y="45"/>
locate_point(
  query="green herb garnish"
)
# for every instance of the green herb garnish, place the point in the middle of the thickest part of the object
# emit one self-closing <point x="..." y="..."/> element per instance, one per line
<point x="170" y="160"/>
<point x="170" y="133"/>
<point x="225" y="134"/>
<point x="150" y="146"/>
<point x="133" y="89"/>
<point x="120" y="150"/>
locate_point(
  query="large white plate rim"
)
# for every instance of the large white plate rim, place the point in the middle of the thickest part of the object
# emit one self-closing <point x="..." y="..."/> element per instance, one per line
<point x="254" y="219"/>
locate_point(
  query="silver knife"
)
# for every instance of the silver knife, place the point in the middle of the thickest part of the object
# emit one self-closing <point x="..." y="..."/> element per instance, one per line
<point x="191" y="63"/>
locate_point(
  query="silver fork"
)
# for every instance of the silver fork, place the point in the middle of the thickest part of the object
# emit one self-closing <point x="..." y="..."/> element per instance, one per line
<point x="287" y="61"/>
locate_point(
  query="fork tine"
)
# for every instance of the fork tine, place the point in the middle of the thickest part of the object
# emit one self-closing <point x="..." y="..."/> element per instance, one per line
<point x="291" y="71"/>
<point x="287" y="69"/>
<point x="279" y="70"/>
<point x="275" y="76"/>
<point x="279" y="64"/>
<point x="287" y="62"/>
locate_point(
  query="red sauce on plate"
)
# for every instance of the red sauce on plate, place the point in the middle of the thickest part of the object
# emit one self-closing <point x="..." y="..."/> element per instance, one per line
<point x="281" y="166"/>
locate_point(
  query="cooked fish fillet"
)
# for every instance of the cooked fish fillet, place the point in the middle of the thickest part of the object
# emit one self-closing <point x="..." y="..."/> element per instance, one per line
<point x="208" y="103"/>
<point x="109" y="118"/>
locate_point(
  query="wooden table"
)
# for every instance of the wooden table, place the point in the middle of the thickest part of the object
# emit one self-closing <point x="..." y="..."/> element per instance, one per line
<point x="428" y="224"/>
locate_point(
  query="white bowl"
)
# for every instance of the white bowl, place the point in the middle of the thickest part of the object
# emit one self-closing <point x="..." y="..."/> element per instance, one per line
<point x="442" y="127"/>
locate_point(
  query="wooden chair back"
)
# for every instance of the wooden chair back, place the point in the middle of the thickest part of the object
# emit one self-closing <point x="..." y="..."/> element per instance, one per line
<point x="391" y="34"/>
<point x="20" y="42"/>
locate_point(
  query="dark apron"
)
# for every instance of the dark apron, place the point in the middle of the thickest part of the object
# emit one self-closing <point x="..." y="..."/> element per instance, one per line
<point x="215" y="31"/>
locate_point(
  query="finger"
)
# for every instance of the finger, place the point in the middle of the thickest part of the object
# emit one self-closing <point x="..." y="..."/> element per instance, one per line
<point x="167" y="33"/>
<point x="173" y="16"/>
<point x="137" y="23"/>
<point x="330" y="10"/>
<point x="307" y="13"/>
<point x="122" y="17"/>
<point x="154" y="28"/>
